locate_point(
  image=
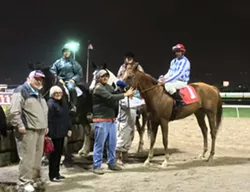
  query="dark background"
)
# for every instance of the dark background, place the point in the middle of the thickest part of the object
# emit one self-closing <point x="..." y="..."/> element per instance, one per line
<point x="215" y="33"/>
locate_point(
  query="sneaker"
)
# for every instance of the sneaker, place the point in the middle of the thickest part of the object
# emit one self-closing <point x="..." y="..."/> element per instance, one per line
<point x="98" y="171"/>
<point x="114" y="168"/>
<point x="61" y="177"/>
<point x="55" y="180"/>
<point x="28" y="188"/>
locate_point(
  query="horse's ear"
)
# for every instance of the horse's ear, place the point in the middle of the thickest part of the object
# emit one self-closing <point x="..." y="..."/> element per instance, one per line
<point x="104" y="66"/>
<point x="136" y="66"/>
<point x="94" y="66"/>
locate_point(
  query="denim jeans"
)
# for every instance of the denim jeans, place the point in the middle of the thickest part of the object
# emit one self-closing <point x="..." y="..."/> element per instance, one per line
<point x="73" y="95"/>
<point x="105" y="132"/>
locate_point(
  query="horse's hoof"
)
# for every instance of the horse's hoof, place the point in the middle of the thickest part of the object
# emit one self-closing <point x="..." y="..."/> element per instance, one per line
<point x="82" y="154"/>
<point x="210" y="158"/>
<point x="164" y="164"/>
<point x="140" y="150"/>
<point x="201" y="157"/>
<point x="146" y="164"/>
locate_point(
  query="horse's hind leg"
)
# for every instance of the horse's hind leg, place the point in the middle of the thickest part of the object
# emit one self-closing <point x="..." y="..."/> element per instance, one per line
<point x="84" y="151"/>
<point x="213" y="131"/>
<point x="200" y="116"/>
<point x="152" y="142"/>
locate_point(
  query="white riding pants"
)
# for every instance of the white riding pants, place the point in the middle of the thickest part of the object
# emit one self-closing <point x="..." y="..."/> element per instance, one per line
<point x="173" y="86"/>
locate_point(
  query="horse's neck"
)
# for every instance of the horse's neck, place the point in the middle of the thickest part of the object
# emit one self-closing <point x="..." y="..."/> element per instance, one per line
<point x="149" y="91"/>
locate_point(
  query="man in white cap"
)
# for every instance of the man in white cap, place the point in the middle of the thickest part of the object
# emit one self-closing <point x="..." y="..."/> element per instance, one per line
<point x="28" y="115"/>
<point x="104" y="104"/>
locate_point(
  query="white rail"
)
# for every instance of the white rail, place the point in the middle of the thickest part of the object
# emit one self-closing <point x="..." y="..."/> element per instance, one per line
<point x="237" y="108"/>
<point x="235" y="95"/>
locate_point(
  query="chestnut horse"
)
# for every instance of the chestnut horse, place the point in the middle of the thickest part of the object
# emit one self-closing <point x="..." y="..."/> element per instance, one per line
<point x="161" y="106"/>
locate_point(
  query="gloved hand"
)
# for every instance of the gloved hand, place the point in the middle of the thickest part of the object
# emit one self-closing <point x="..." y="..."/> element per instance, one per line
<point x="121" y="84"/>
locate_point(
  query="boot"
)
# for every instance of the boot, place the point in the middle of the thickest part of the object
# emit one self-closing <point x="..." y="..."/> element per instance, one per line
<point x="73" y="100"/>
<point x="118" y="158"/>
<point x="125" y="157"/>
<point x="178" y="99"/>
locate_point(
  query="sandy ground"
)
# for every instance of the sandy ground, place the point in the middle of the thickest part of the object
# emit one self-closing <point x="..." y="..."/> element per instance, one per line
<point x="228" y="172"/>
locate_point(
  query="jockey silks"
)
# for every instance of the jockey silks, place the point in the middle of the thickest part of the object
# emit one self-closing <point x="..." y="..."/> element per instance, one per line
<point x="179" y="70"/>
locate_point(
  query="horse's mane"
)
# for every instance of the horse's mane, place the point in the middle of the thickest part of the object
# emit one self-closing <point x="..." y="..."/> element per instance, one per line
<point x="147" y="77"/>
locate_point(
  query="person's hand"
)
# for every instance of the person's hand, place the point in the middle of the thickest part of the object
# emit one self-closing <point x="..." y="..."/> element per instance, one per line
<point x="22" y="130"/>
<point x="46" y="131"/>
<point x="129" y="93"/>
<point x="62" y="82"/>
<point x="72" y="81"/>
<point x="162" y="81"/>
<point x="69" y="133"/>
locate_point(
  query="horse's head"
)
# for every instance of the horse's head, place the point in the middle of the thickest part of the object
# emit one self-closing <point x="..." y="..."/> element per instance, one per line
<point x="112" y="78"/>
<point x="138" y="79"/>
<point x="130" y="74"/>
<point x="49" y="80"/>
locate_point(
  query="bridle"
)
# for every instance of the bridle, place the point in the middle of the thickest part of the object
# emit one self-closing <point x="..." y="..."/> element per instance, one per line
<point x="53" y="84"/>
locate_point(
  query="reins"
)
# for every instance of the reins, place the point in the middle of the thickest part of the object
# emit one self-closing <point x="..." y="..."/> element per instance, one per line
<point x="150" y="88"/>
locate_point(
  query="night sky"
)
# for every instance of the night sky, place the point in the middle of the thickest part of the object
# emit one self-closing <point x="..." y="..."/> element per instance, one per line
<point x="215" y="33"/>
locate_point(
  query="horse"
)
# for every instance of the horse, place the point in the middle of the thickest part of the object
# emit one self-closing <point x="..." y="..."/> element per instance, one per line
<point x="161" y="105"/>
<point x="142" y="109"/>
<point x="84" y="104"/>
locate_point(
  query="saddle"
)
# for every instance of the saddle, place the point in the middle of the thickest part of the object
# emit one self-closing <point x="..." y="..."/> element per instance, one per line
<point x="188" y="95"/>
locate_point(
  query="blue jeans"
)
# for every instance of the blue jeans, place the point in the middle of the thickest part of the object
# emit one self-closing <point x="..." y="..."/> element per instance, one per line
<point x="104" y="132"/>
<point x="72" y="91"/>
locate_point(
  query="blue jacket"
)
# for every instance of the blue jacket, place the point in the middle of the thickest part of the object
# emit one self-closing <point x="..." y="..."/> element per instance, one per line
<point x="67" y="69"/>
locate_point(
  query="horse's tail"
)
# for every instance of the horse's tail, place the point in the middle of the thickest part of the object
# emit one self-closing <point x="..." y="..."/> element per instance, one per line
<point x="219" y="111"/>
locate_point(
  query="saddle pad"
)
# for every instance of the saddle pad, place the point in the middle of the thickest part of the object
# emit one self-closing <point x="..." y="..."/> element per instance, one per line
<point x="189" y="94"/>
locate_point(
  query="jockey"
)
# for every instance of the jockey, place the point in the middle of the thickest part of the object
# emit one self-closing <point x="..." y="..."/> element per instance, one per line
<point x="178" y="75"/>
<point x="69" y="72"/>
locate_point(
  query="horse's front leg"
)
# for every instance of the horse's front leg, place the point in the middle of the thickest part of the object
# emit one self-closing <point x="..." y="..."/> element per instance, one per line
<point x="153" y="135"/>
<point x="164" y="128"/>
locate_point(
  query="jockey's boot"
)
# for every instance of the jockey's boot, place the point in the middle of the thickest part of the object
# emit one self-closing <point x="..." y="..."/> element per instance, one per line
<point x="178" y="99"/>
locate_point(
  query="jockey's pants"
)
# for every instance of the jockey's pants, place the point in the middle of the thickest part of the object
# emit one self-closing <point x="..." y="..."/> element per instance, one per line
<point x="173" y="86"/>
<point x="105" y="132"/>
<point x="72" y="91"/>
<point x="126" y="129"/>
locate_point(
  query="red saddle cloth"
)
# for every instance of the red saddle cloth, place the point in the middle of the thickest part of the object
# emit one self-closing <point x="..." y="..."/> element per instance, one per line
<point x="188" y="95"/>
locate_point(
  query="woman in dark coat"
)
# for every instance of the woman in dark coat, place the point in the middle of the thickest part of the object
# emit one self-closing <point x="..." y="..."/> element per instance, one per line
<point x="59" y="127"/>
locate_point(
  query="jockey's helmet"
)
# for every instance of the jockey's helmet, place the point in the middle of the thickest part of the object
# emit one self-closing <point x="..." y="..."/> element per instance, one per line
<point x="179" y="48"/>
<point x="129" y="54"/>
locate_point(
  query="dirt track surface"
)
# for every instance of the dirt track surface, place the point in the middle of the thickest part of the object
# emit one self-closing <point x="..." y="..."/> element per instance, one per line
<point x="228" y="172"/>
